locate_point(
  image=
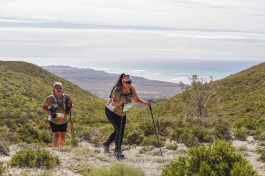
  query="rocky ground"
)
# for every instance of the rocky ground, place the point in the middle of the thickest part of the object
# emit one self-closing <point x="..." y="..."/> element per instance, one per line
<point x="86" y="156"/>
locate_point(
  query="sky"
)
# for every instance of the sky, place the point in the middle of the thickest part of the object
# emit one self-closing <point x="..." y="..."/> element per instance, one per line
<point x="132" y="29"/>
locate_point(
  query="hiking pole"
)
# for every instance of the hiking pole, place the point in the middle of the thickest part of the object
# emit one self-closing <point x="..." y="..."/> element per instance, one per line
<point x="72" y="129"/>
<point x="155" y="128"/>
<point x="119" y="142"/>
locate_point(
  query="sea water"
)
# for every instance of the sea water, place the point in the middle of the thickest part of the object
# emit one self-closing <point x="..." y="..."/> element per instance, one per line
<point x="176" y="70"/>
<point x="163" y="70"/>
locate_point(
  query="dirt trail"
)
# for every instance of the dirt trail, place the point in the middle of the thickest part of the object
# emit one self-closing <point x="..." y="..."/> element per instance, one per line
<point x="87" y="155"/>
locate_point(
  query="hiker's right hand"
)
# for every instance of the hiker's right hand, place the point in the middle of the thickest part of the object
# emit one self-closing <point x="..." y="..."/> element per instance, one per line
<point x="123" y="100"/>
<point x="51" y="112"/>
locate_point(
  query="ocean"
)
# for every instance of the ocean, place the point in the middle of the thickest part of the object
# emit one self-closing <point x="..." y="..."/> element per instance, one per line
<point x="162" y="70"/>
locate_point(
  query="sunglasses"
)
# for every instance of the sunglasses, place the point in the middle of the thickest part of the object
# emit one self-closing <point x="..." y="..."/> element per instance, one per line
<point x="58" y="88"/>
<point x="128" y="82"/>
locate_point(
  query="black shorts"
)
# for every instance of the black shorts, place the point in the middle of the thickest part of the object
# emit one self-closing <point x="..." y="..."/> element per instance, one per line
<point x="58" y="128"/>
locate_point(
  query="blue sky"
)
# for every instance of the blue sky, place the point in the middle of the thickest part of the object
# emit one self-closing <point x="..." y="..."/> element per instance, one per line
<point x="138" y="29"/>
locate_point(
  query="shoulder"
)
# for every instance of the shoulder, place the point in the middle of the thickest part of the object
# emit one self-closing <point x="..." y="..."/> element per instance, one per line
<point x="117" y="89"/>
<point x="133" y="89"/>
<point x="66" y="96"/>
<point x="50" y="97"/>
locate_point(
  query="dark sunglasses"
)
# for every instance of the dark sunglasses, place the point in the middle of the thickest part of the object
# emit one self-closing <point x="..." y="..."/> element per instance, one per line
<point x="129" y="82"/>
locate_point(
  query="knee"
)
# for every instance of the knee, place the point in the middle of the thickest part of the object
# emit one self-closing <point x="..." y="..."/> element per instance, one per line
<point x="62" y="135"/>
<point x="56" y="135"/>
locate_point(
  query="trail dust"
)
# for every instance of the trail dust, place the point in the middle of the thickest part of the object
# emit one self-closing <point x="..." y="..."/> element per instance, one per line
<point x="148" y="159"/>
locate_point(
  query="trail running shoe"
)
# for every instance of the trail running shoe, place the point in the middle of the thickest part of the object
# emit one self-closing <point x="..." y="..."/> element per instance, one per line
<point x="105" y="147"/>
<point x="119" y="154"/>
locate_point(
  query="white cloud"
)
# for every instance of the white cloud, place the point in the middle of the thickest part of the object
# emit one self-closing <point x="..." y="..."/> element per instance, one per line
<point x="168" y="29"/>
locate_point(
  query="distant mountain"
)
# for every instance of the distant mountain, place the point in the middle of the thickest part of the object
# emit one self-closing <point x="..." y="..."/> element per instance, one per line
<point x="100" y="83"/>
<point x="23" y="89"/>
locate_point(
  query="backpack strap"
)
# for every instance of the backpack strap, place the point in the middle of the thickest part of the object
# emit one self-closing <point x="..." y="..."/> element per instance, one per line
<point x="131" y="92"/>
<point x="55" y="102"/>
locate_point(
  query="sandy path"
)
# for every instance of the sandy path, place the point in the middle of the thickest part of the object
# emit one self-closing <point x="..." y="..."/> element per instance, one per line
<point x="87" y="155"/>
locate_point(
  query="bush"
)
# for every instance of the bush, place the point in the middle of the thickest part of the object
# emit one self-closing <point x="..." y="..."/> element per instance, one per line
<point x="171" y="146"/>
<point x="260" y="137"/>
<point x="241" y="133"/>
<point x="152" y="140"/>
<point x="217" y="159"/>
<point x="2" y="168"/>
<point x="115" y="170"/>
<point x="222" y="131"/>
<point x="34" y="158"/>
<point x="262" y="154"/>
<point x="135" y="137"/>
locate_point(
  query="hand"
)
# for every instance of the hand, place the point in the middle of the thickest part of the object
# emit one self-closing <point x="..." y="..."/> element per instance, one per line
<point x="51" y="112"/>
<point x="149" y="102"/>
<point x="123" y="100"/>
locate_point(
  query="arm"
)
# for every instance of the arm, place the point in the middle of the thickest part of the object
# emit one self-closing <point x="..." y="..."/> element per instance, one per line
<point x="45" y="109"/>
<point x="142" y="102"/>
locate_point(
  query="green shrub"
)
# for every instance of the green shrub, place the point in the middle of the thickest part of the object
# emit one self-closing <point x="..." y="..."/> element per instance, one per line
<point x="189" y="139"/>
<point x="135" y="137"/>
<point x="260" y="137"/>
<point x="218" y="159"/>
<point x="152" y="140"/>
<point x="171" y="146"/>
<point x="2" y="168"/>
<point x="118" y="169"/>
<point x="241" y="133"/>
<point x="176" y="134"/>
<point x="262" y="154"/>
<point x="34" y="158"/>
<point x="222" y="131"/>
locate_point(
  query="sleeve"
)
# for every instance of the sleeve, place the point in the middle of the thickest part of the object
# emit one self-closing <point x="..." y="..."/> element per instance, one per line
<point x="48" y="102"/>
<point x="134" y="94"/>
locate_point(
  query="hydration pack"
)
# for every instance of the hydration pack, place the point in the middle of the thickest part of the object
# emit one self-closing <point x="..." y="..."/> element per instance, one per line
<point x="55" y="104"/>
<point x="125" y="95"/>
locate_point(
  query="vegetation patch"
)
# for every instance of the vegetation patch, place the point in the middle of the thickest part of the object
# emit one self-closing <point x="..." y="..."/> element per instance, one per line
<point x="34" y="158"/>
<point x="217" y="159"/>
<point x="2" y="168"/>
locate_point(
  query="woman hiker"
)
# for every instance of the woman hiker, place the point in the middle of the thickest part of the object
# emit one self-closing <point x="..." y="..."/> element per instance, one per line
<point x="121" y="97"/>
<point x="58" y="106"/>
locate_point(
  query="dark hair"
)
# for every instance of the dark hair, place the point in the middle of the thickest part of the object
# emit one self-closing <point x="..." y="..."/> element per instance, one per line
<point x="119" y="81"/>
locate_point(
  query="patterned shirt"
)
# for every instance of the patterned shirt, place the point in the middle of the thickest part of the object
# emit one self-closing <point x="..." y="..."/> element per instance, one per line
<point x="118" y="94"/>
<point x="60" y="109"/>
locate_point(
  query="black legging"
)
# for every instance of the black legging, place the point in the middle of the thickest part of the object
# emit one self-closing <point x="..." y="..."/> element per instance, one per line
<point x="115" y="120"/>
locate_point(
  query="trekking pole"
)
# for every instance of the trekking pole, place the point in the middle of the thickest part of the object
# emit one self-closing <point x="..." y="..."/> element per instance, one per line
<point x="119" y="142"/>
<point x="72" y="129"/>
<point x="155" y="128"/>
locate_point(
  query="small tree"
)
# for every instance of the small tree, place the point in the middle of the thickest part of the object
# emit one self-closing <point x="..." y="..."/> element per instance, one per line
<point x="199" y="96"/>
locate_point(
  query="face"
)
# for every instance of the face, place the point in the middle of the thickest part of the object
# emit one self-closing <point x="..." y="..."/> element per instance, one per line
<point x="58" y="89"/>
<point x="127" y="84"/>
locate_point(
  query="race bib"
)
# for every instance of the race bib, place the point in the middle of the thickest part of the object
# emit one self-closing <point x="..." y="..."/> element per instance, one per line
<point x="127" y="107"/>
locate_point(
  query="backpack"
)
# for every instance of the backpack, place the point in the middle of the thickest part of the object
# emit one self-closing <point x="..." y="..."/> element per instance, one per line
<point x="55" y="104"/>
<point x="125" y="95"/>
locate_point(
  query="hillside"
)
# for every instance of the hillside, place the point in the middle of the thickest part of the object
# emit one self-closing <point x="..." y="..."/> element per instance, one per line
<point x="23" y="90"/>
<point x="24" y="87"/>
<point x="241" y="96"/>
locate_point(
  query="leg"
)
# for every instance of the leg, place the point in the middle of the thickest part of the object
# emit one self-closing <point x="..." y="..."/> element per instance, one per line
<point x="55" y="141"/>
<point x="111" y="117"/>
<point x="62" y="139"/>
